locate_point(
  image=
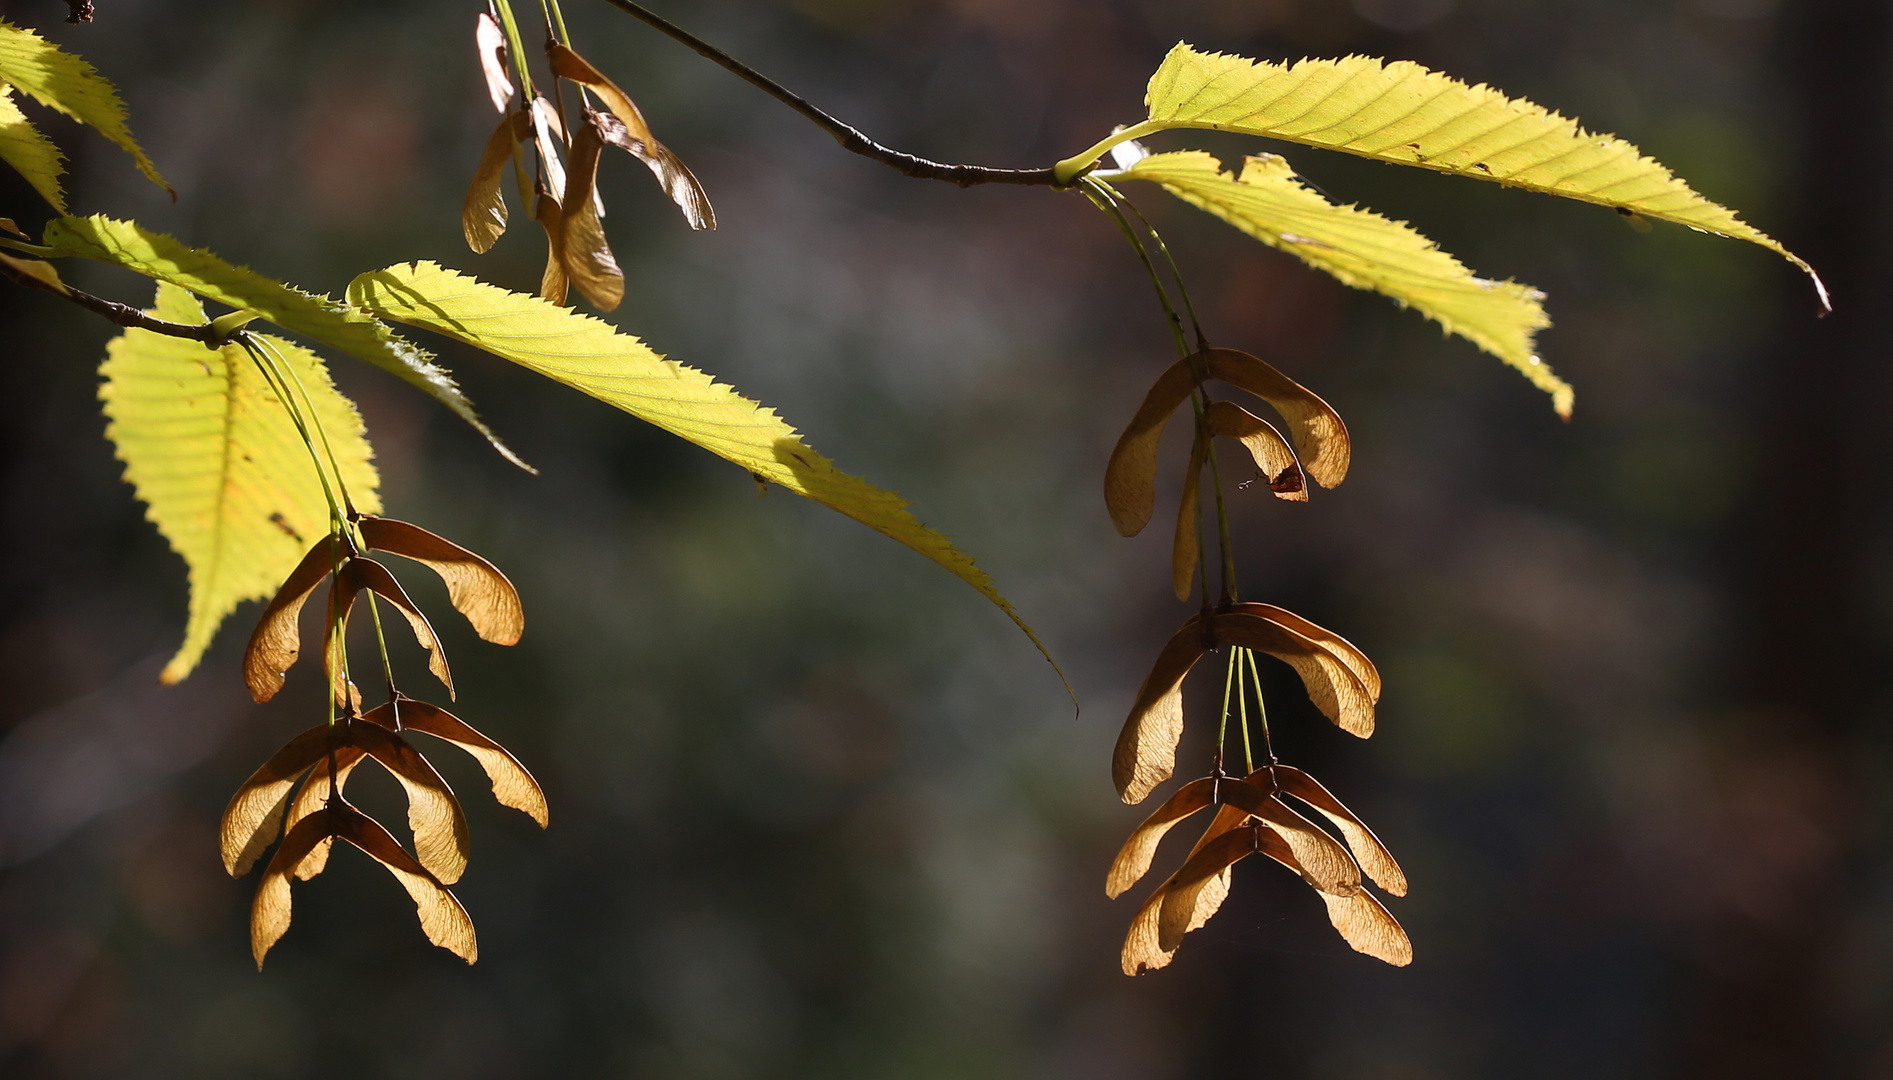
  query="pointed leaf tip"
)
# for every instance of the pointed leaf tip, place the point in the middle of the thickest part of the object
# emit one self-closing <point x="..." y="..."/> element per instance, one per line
<point x="1403" y="113"/>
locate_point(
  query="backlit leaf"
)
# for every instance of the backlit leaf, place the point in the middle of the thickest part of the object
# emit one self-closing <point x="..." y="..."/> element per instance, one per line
<point x="156" y="255"/>
<point x="1364" y="250"/>
<point x="589" y="356"/>
<point x="64" y="82"/>
<point x="1403" y="113"/>
<point x="223" y="472"/>
<point x="31" y="153"/>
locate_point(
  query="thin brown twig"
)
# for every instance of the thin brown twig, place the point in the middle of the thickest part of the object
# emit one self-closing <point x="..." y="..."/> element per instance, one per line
<point x="123" y="314"/>
<point x="850" y="138"/>
<point x="81" y="11"/>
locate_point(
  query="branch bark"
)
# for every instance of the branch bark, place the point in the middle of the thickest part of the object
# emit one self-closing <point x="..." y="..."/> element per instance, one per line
<point x="122" y="314"/>
<point x="850" y="138"/>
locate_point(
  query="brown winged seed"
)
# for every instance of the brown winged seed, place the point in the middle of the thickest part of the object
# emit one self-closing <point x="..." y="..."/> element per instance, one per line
<point x="632" y="134"/>
<point x="1251" y="818"/>
<point x="483" y="215"/>
<point x="1319" y="437"/>
<point x="1338" y="677"/>
<point x="443" y="920"/>
<point x="583" y="249"/>
<point x="475" y="586"/>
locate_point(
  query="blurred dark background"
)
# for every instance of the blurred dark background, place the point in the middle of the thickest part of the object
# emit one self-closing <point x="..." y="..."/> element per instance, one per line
<point x="817" y="809"/>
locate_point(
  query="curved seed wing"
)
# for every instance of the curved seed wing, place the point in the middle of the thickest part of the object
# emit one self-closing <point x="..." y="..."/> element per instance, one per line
<point x="441" y="839"/>
<point x="1187" y="547"/>
<point x="250" y="820"/>
<point x="490" y="41"/>
<point x="313" y="797"/>
<point x="1265" y="444"/>
<point x="1372" y="855"/>
<point x="1324" y="863"/>
<point x="512" y="785"/>
<point x="1367" y="926"/>
<point x="270" y="910"/>
<point x="1141" y="951"/>
<point x="1177" y="915"/>
<point x="1343" y="649"/>
<point x="476" y="587"/>
<point x="1210" y="899"/>
<point x="1146" y="751"/>
<point x="552" y="284"/>
<point x="633" y="135"/>
<point x="443" y="920"/>
<point x="1333" y="686"/>
<point x="483" y="215"/>
<point x="1130" y="478"/>
<point x="1133" y="859"/>
<point x="277" y="639"/>
<point x="1314" y="427"/>
<point x="373" y="575"/>
<point x="589" y="263"/>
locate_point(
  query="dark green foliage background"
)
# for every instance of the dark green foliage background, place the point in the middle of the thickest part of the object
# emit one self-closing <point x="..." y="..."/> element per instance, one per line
<point x="818" y="811"/>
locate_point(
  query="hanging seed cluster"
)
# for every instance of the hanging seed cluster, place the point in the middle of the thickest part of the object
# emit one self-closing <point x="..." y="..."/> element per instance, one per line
<point x="298" y="794"/>
<point x="556" y="163"/>
<point x="1254" y="810"/>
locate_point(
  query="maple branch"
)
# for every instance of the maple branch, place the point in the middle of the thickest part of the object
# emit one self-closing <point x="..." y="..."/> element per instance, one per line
<point x="850" y="138"/>
<point x="122" y="314"/>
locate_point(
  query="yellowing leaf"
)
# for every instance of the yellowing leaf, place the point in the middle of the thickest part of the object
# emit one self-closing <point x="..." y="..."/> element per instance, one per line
<point x="1403" y="113"/>
<point x="156" y="255"/>
<point x="219" y="464"/>
<point x="589" y="356"/>
<point x="33" y="154"/>
<point x="1364" y="250"/>
<point x="67" y="84"/>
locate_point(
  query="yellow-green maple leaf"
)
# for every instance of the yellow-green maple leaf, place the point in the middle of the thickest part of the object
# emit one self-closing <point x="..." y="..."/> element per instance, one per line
<point x="156" y="255"/>
<point x="1404" y="113"/>
<point x="64" y="82"/>
<point x="1361" y="248"/>
<point x="592" y="357"/>
<point x="33" y="154"/>
<point x="219" y="463"/>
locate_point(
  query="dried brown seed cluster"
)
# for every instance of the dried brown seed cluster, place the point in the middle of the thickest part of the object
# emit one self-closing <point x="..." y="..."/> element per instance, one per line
<point x="1251" y="818"/>
<point x="298" y="792"/>
<point x="1251" y="814"/>
<point x="564" y="195"/>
